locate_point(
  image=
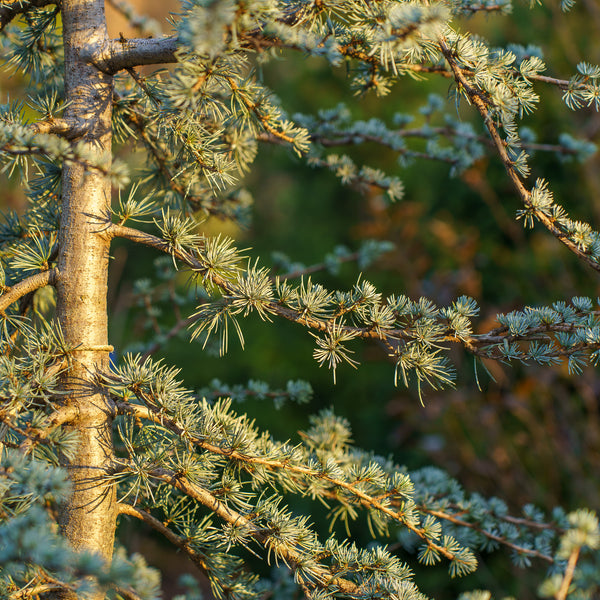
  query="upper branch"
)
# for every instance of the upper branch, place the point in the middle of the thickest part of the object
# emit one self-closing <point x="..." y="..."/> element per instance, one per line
<point x="480" y="102"/>
<point x="12" y="294"/>
<point x="9" y="9"/>
<point x="126" y="54"/>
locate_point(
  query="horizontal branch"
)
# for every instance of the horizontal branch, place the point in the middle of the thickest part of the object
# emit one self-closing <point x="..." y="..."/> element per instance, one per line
<point x="482" y="345"/>
<point x="61" y="416"/>
<point x="36" y="590"/>
<point x="488" y="534"/>
<point x="66" y="128"/>
<point x="140" y="237"/>
<point x="32" y="283"/>
<point x="121" y="54"/>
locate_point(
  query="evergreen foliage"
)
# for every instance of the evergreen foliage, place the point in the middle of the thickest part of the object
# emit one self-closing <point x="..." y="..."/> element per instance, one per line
<point x="189" y="464"/>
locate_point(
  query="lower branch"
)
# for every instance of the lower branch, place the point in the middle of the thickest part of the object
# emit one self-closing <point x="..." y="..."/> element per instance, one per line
<point x="303" y="472"/>
<point x="127" y="509"/>
<point x="570" y="571"/>
<point x="17" y="291"/>
<point x="292" y="557"/>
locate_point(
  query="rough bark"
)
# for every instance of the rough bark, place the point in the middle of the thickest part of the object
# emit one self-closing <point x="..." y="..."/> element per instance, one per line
<point x="88" y="519"/>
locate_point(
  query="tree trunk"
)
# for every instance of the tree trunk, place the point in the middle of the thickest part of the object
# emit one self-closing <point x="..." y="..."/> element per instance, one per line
<point x="88" y="519"/>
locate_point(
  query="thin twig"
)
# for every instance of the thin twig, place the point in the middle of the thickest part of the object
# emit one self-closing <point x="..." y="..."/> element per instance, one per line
<point x="127" y="509"/>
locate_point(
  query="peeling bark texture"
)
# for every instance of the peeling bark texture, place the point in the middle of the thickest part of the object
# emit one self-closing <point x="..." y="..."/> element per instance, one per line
<point x="88" y="519"/>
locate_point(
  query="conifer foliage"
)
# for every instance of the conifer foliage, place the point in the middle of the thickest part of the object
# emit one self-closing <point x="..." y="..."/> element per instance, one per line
<point x="87" y="440"/>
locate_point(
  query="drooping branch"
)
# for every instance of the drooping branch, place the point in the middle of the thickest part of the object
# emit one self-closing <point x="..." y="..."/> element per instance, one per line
<point x="10" y="9"/>
<point x="477" y="99"/>
<point x="32" y="283"/>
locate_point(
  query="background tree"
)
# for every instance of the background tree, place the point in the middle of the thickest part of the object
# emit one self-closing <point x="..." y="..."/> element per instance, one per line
<point x="134" y="442"/>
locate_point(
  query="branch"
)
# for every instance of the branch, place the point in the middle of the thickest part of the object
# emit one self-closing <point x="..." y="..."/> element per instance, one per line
<point x="484" y="345"/>
<point x="126" y="593"/>
<point x="475" y="96"/>
<point x="9" y="9"/>
<point x="33" y="435"/>
<point x="290" y="555"/>
<point x="66" y="128"/>
<point x="126" y="54"/>
<point x="148" y="239"/>
<point x="140" y="122"/>
<point x="461" y="523"/>
<point x="35" y="591"/>
<point x="39" y="280"/>
<point x="366" y="500"/>
<point x="182" y="543"/>
<point x="570" y="571"/>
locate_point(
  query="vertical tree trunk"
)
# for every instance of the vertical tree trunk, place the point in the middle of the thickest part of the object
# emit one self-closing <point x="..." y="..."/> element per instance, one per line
<point x="88" y="520"/>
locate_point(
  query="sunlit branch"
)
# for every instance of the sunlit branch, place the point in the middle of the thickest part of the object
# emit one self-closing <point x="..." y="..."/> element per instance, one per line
<point x="475" y="96"/>
<point x="568" y="577"/>
<point x="36" y="590"/>
<point x="62" y="127"/>
<point x="292" y="557"/>
<point x="34" y="435"/>
<point x="483" y="345"/>
<point x="32" y="283"/>
<point x="127" y="593"/>
<point x="366" y="500"/>
<point x="128" y="53"/>
<point x="138" y="121"/>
